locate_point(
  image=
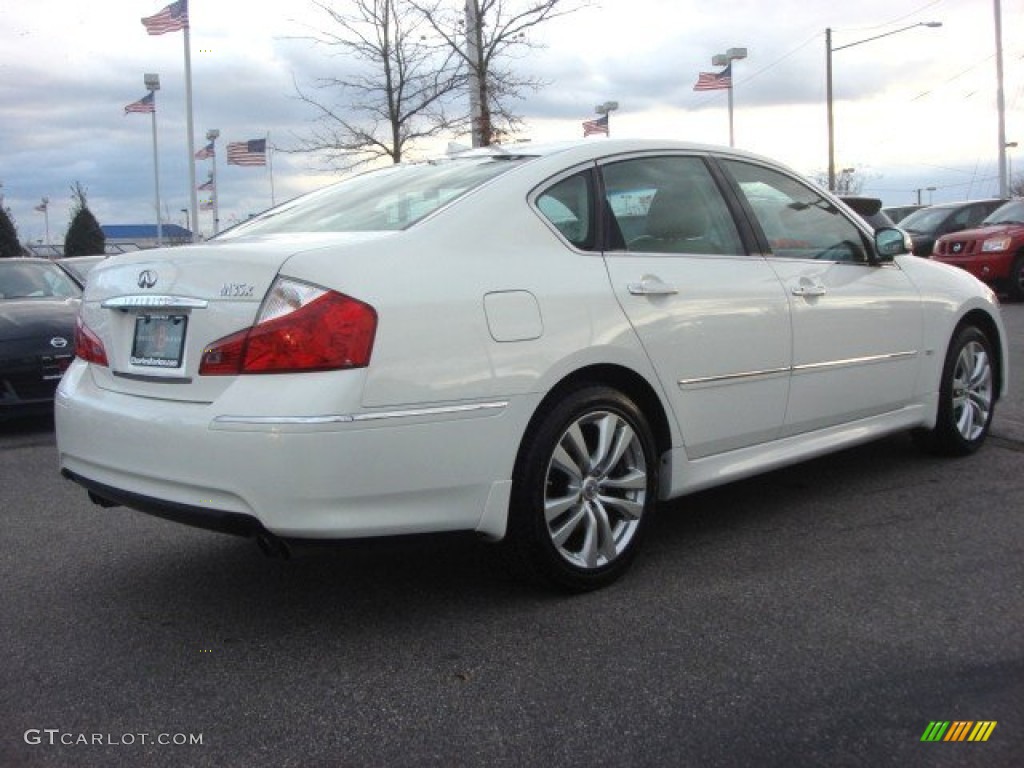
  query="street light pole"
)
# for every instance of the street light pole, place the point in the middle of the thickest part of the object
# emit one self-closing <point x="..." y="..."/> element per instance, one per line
<point x="725" y="60"/>
<point x="1009" y="167"/>
<point x="152" y="83"/>
<point x="1000" y="102"/>
<point x="829" y="50"/>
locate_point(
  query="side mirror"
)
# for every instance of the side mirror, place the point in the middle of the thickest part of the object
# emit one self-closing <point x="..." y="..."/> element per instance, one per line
<point x="891" y="242"/>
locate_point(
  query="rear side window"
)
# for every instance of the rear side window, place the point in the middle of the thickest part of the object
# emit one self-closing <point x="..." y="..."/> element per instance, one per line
<point x="797" y="220"/>
<point x="569" y="206"/>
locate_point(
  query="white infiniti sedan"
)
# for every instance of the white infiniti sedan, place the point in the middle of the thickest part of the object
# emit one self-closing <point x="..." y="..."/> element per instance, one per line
<point x="536" y="343"/>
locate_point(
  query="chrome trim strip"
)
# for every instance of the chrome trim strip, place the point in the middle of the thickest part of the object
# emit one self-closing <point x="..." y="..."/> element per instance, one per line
<point x="443" y="410"/>
<point x="154" y="300"/>
<point x="736" y="377"/>
<point x="343" y="418"/>
<point x="153" y="379"/>
<point x="854" y="361"/>
<point x="733" y="377"/>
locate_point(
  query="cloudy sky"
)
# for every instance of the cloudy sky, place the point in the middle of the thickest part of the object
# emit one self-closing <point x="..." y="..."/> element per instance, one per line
<point x="913" y="110"/>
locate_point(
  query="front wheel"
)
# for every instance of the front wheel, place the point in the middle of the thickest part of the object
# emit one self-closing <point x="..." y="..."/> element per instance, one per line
<point x="966" y="396"/>
<point x="583" y="491"/>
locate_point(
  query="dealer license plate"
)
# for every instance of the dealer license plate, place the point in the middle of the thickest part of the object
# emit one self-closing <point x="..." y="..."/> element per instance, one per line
<point x="159" y="340"/>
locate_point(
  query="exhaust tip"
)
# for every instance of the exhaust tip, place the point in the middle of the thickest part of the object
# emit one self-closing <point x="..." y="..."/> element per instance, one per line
<point x="273" y="547"/>
<point x="101" y="501"/>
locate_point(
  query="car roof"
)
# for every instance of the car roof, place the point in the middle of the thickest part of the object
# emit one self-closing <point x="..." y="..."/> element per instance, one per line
<point x="962" y="203"/>
<point x="584" y="149"/>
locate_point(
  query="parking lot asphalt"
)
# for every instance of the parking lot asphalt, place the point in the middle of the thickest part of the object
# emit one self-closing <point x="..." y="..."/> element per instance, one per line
<point x="821" y="615"/>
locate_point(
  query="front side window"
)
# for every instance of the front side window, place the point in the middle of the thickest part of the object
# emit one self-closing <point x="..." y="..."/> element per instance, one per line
<point x="668" y="205"/>
<point x="387" y="199"/>
<point x="798" y="221"/>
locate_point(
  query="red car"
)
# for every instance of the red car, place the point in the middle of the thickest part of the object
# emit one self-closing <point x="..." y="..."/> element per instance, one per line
<point x="994" y="252"/>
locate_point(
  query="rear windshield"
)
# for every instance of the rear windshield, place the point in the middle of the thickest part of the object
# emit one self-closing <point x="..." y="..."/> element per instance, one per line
<point x="35" y="280"/>
<point x="926" y="219"/>
<point x="391" y="198"/>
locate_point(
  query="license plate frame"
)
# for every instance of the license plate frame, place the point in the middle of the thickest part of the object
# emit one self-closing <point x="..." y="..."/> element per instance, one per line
<point x="158" y="340"/>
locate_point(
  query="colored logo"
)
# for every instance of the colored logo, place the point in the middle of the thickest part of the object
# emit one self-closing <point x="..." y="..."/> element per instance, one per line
<point x="958" y="730"/>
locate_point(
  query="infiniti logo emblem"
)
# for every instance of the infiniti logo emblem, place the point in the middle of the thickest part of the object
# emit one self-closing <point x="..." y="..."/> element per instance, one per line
<point x="147" y="278"/>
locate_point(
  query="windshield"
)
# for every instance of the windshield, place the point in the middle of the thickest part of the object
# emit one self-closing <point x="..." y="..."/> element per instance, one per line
<point x="1010" y="213"/>
<point x="35" y="280"/>
<point x="391" y="198"/>
<point x="925" y="220"/>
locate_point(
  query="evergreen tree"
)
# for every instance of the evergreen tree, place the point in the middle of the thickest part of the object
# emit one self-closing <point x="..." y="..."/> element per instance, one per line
<point x="9" y="245"/>
<point x="84" y="237"/>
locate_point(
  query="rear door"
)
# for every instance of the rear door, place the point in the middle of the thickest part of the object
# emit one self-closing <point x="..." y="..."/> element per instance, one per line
<point x="713" y="319"/>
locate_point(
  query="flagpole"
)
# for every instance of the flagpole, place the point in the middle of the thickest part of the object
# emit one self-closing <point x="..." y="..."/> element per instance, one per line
<point x="152" y="83"/>
<point x="270" y="165"/>
<point x="193" y="197"/>
<point x="212" y="135"/>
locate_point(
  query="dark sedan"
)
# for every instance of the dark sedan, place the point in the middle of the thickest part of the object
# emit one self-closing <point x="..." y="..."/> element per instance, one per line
<point x="929" y="224"/>
<point x="38" y="308"/>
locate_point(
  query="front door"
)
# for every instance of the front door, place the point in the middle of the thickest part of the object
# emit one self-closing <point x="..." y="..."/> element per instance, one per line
<point x="857" y="325"/>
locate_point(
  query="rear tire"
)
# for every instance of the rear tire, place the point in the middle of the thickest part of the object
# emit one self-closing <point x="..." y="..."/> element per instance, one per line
<point x="583" y="491"/>
<point x="966" y="396"/>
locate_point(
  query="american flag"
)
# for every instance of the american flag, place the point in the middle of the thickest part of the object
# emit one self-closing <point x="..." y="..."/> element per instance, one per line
<point x="206" y="152"/>
<point x="253" y="152"/>
<point x="596" y="126"/>
<point x="206" y="185"/>
<point x="170" y="19"/>
<point x="714" y="81"/>
<point x="146" y="104"/>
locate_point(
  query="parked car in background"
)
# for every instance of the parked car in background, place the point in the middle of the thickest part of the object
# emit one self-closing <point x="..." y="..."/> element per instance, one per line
<point x="994" y="252"/>
<point x="80" y="266"/>
<point x="38" y="305"/>
<point x="536" y="343"/>
<point x="869" y="209"/>
<point x="899" y="212"/>
<point x="928" y="224"/>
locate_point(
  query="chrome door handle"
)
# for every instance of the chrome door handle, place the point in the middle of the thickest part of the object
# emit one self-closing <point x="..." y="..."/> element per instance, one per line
<point x="651" y="286"/>
<point x="809" y="291"/>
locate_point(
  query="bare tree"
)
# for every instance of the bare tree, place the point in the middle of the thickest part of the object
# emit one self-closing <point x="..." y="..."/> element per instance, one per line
<point x="398" y="94"/>
<point x="485" y="34"/>
<point x="849" y="181"/>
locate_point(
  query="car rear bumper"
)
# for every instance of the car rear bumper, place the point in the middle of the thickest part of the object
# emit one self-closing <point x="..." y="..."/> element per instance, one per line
<point x="318" y="476"/>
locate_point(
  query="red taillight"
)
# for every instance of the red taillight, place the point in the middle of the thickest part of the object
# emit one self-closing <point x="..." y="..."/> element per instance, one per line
<point x="301" y="328"/>
<point x="88" y="345"/>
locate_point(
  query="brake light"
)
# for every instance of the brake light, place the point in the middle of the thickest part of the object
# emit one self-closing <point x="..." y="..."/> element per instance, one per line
<point x="88" y="345"/>
<point x="301" y="327"/>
